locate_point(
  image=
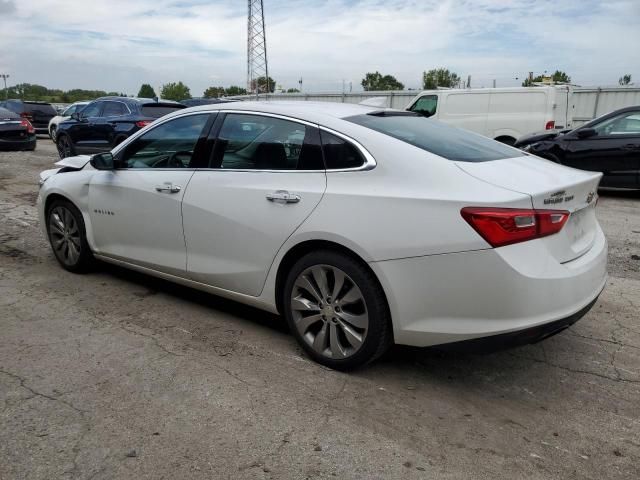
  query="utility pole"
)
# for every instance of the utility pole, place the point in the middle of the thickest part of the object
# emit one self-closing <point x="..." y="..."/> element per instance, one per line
<point x="256" y="48"/>
<point x="6" y="92"/>
<point x="468" y="81"/>
<point x="494" y="83"/>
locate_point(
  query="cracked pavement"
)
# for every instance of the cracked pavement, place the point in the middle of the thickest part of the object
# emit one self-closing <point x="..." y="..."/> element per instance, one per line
<point x="118" y="375"/>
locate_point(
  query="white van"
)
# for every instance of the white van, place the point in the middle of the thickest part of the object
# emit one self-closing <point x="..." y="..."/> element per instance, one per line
<point x="504" y="114"/>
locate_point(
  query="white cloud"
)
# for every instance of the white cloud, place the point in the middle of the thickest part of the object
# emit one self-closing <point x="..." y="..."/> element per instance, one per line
<point x="119" y="44"/>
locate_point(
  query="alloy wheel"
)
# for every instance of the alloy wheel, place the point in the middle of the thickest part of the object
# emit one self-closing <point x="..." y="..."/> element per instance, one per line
<point x="65" y="235"/>
<point x="329" y="311"/>
<point x="64" y="147"/>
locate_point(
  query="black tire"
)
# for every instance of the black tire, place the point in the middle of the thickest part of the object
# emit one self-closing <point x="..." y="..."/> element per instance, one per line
<point x="378" y="335"/>
<point x="72" y="221"/>
<point x="506" y="140"/>
<point x="52" y="133"/>
<point x="65" y="146"/>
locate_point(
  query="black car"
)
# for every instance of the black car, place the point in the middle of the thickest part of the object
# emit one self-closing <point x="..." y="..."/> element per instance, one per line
<point x="608" y="144"/>
<point x="37" y="113"/>
<point x="16" y="133"/>
<point x="106" y="122"/>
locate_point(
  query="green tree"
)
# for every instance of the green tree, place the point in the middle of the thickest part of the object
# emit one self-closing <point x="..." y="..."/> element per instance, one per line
<point x="175" y="91"/>
<point x="293" y="90"/>
<point x="263" y="85"/>
<point x="214" y="92"/>
<point x="439" y="77"/>
<point x="146" y="91"/>
<point x="376" y="81"/>
<point x="625" y="80"/>
<point x="558" y="77"/>
<point x="235" y="90"/>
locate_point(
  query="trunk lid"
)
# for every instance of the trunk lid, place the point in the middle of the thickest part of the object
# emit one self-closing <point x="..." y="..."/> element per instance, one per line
<point x="551" y="187"/>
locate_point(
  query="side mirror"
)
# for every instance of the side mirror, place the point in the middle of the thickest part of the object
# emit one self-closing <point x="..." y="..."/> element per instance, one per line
<point x="586" y="132"/>
<point x="102" y="161"/>
<point x="76" y="116"/>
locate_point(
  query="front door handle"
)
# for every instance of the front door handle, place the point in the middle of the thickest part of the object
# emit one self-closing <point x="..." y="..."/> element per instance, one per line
<point x="282" y="196"/>
<point x="168" y="188"/>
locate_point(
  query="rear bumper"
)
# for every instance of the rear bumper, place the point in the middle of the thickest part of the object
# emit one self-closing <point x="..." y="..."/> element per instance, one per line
<point x="455" y="297"/>
<point x="26" y="144"/>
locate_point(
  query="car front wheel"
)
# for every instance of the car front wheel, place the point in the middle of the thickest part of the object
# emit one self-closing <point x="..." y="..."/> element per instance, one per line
<point x="52" y="133"/>
<point x="337" y="310"/>
<point x="67" y="236"/>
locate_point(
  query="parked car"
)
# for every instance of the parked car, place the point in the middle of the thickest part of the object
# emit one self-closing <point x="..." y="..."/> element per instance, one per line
<point x="64" y="115"/>
<point x="106" y="122"/>
<point x="16" y="133"/>
<point x="362" y="227"/>
<point x="37" y="113"/>
<point x="504" y="114"/>
<point x="196" y="102"/>
<point x="609" y="144"/>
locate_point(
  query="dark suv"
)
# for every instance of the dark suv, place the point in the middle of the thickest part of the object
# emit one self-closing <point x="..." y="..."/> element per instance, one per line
<point x="106" y="122"/>
<point x="38" y="113"/>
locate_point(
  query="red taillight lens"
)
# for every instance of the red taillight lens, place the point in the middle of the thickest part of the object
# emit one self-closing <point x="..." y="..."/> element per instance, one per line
<point x="505" y="226"/>
<point x="550" y="125"/>
<point x="143" y="123"/>
<point x="27" y="124"/>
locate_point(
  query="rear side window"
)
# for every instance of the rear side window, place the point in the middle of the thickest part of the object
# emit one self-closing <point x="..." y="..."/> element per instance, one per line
<point x="157" y="111"/>
<point x="257" y="142"/>
<point x="339" y="153"/>
<point x="436" y="137"/>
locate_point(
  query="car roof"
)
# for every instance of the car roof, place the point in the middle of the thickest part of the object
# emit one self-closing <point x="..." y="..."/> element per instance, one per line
<point x="316" y="112"/>
<point x="140" y="101"/>
<point x="19" y="100"/>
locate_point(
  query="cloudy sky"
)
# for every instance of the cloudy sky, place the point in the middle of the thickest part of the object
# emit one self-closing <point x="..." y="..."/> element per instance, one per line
<point x="119" y="44"/>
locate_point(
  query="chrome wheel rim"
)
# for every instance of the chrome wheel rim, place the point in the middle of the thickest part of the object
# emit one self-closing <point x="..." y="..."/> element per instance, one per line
<point x="329" y="311"/>
<point x="64" y="147"/>
<point x="65" y="235"/>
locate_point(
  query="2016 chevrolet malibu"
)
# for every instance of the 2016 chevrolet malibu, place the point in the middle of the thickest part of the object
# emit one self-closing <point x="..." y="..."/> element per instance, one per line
<point x="362" y="227"/>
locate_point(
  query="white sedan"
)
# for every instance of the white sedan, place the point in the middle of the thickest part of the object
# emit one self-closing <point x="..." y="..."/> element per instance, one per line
<point x="362" y="227"/>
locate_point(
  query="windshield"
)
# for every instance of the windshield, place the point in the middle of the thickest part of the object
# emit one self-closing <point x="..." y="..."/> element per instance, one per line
<point x="435" y="137"/>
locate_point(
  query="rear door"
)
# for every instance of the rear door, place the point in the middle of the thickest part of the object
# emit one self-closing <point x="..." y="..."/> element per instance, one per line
<point x="265" y="178"/>
<point x="614" y="150"/>
<point x="105" y="126"/>
<point x="135" y="210"/>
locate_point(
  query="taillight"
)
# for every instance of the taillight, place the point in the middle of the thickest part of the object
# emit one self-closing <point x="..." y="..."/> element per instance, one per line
<point x="550" y="125"/>
<point x="27" y="124"/>
<point x="143" y="123"/>
<point x="26" y="115"/>
<point x="505" y="226"/>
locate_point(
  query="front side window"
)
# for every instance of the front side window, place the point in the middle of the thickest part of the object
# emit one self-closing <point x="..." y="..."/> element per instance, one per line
<point x="339" y="153"/>
<point x="256" y="142"/>
<point x="70" y="111"/>
<point x="92" y="110"/>
<point x="436" y="137"/>
<point x="426" y="105"/>
<point x="625" y="124"/>
<point x="114" y="109"/>
<point x="169" y="145"/>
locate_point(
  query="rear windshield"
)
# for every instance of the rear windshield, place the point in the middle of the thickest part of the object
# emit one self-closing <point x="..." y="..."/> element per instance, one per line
<point x="157" y="111"/>
<point x="39" y="107"/>
<point x="7" y="114"/>
<point x="435" y="137"/>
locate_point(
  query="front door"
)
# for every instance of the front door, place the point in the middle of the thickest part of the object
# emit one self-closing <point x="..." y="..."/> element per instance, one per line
<point x="266" y="177"/>
<point x="614" y="150"/>
<point x="135" y="209"/>
<point x="83" y="132"/>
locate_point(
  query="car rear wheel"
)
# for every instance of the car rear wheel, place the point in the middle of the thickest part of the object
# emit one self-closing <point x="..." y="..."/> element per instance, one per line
<point x="67" y="236"/>
<point x="65" y="147"/>
<point x="337" y="310"/>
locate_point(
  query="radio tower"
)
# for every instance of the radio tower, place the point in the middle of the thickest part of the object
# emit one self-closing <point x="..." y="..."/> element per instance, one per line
<point x="256" y="49"/>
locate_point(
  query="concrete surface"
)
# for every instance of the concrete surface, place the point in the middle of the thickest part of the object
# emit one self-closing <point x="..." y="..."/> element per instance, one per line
<point x="117" y="375"/>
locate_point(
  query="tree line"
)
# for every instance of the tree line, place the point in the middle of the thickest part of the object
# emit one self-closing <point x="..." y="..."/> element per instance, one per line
<point x="372" y="81"/>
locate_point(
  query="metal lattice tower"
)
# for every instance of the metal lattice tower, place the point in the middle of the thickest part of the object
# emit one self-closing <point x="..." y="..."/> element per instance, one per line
<point x="256" y="48"/>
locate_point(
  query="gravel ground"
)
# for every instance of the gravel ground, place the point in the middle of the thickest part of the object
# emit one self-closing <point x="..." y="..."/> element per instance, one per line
<point x="118" y="375"/>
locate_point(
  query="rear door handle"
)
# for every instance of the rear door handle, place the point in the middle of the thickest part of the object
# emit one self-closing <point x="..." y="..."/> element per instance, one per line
<point x="168" y="188"/>
<point x="282" y="196"/>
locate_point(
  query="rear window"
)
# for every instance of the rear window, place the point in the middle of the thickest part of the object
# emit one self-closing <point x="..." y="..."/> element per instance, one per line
<point x="435" y="137"/>
<point x="7" y="114"/>
<point x="157" y="111"/>
<point x="39" y="107"/>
